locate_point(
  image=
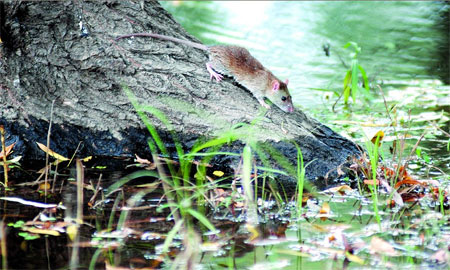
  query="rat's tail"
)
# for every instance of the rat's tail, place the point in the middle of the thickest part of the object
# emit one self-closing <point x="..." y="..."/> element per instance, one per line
<point x="187" y="42"/>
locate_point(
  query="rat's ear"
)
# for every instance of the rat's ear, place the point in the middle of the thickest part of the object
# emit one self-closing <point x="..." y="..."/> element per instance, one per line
<point x="275" y="85"/>
<point x="286" y="81"/>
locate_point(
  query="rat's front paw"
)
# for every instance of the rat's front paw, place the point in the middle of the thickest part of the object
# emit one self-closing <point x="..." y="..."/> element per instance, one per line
<point x="264" y="104"/>
<point x="212" y="73"/>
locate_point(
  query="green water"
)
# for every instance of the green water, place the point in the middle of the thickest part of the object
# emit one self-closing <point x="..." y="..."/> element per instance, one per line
<point x="404" y="51"/>
<point x="401" y="41"/>
<point x="405" y="47"/>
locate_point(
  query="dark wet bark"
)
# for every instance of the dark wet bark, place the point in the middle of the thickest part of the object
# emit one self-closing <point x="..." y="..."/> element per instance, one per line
<point x="46" y="57"/>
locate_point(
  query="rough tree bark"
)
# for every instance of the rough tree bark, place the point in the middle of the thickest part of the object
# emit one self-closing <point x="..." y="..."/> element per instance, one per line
<point x="46" y="57"/>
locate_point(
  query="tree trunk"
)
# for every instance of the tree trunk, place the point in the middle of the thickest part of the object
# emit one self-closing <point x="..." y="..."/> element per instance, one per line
<point x="64" y="53"/>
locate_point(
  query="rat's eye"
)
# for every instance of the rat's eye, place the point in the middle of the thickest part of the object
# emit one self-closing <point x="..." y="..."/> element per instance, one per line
<point x="283" y="98"/>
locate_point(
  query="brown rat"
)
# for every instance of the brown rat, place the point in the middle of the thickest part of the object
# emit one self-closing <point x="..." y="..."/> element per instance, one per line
<point x="237" y="62"/>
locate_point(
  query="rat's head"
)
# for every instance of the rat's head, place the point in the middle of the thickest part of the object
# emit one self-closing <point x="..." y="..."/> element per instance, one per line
<point x="279" y="95"/>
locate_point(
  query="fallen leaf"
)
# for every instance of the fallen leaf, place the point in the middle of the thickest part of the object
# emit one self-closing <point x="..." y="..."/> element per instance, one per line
<point x="7" y="150"/>
<point x="292" y="252"/>
<point x="211" y="246"/>
<point x="380" y="246"/>
<point x="41" y="231"/>
<point x="149" y="165"/>
<point x="218" y="173"/>
<point x="51" y="153"/>
<point x="340" y="189"/>
<point x="407" y="182"/>
<point x="254" y="233"/>
<point x="354" y="258"/>
<point x="441" y="256"/>
<point x="72" y="231"/>
<point x="380" y="135"/>
<point x="370" y="182"/>
<point x="324" y="212"/>
<point x="325" y="208"/>
<point x="44" y="186"/>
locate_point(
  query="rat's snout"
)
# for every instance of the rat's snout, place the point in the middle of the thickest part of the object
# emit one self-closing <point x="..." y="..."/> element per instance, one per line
<point x="288" y="108"/>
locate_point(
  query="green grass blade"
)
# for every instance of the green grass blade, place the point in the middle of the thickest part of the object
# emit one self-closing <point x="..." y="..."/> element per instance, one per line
<point x="130" y="177"/>
<point x="202" y="219"/>
<point x="217" y="153"/>
<point x="284" y="162"/>
<point x="354" y="79"/>
<point x="94" y="258"/>
<point x="300" y="179"/>
<point x="215" y="142"/>
<point x="171" y="235"/>
<point x="266" y="169"/>
<point x="246" y="173"/>
<point x="347" y="88"/>
<point x="364" y="76"/>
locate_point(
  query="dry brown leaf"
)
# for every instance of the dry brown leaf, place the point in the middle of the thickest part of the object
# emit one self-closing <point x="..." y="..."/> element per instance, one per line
<point x="7" y="150"/>
<point x="379" y="134"/>
<point x="370" y="182"/>
<point x="149" y="165"/>
<point x="441" y="256"/>
<point x="324" y="212"/>
<point x="341" y="189"/>
<point x="41" y="231"/>
<point x="354" y="258"/>
<point x="51" y="153"/>
<point x="380" y="246"/>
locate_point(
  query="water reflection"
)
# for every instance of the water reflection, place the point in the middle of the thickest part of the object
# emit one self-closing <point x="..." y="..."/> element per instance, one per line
<point x="400" y="40"/>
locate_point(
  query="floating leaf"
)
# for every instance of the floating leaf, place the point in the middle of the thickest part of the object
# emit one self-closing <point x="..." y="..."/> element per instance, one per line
<point x="441" y="256"/>
<point x="147" y="163"/>
<point x="380" y="135"/>
<point x="341" y="189"/>
<point x="378" y="245"/>
<point x="292" y="252"/>
<point x="10" y="161"/>
<point x="325" y="208"/>
<point x="28" y="236"/>
<point x="253" y="231"/>
<point x="324" y="212"/>
<point x="41" y="231"/>
<point x="211" y="246"/>
<point x="354" y="258"/>
<point x="370" y="182"/>
<point x="72" y="231"/>
<point x="407" y="182"/>
<point x="51" y="153"/>
<point x="86" y="159"/>
<point x="44" y="186"/>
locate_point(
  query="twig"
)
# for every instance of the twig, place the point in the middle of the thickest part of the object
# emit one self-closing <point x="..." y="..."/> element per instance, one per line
<point x="48" y="146"/>
<point x="97" y="189"/>
<point x="4" y="250"/>
<point x="385" y="103"/>
<point x="5" y="165"/>
<point x="74" y="153"/>
<point x="437" y="127"/>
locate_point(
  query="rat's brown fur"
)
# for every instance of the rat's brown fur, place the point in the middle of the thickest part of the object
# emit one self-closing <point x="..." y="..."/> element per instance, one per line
<point x="237" y="62"/>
